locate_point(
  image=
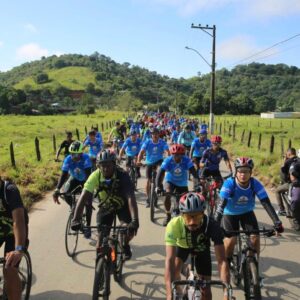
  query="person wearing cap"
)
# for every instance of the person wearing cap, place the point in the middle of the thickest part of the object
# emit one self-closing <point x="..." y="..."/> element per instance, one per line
<point x="131" y="147"/>
<point x="294" y="193"/>
<point x="154" y="149"/>
<point x="199" y="145"/>
<point x="115" y="192"/>
<point x="192" y="232"/>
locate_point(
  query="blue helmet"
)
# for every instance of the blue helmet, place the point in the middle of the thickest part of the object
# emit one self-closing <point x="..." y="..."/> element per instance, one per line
<point x="203" y="131"/>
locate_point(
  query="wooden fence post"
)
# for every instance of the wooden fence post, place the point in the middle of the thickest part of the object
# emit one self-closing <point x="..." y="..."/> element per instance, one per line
<point x="229" y="130"/>
<point x="290" y="143"/>
<point x="54" y="143"/>
<point x="242" y="137"/>
<point x="77" y="134"/>
<point x="233" y="132"/>
<point x="102" y="126"/>
<point x="12" y="154"/>
<point x="249" y="138"/>
<point x="85" y="129"/>
<point x="220" y="128"/>
<point x="282" y="147"/>
<point x="257" y="123"/>
<point x="37" y="149"/>
<point x="106" y="125"/>
<point x="293" y="124"/>
<point x="272" y="144"/>
<point x="259" y="141"/>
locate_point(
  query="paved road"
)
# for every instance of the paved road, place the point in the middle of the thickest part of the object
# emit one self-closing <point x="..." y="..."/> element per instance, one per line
<point x="56" y="276"/>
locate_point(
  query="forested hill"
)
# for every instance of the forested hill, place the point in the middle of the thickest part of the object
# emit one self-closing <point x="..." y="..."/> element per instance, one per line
<point x="59" y="84"/>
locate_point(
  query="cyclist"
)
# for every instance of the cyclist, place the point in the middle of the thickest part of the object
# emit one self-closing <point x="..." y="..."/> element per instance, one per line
<point x="175" y="134"/>
<point x="290" y="158"/>
<point x="131" y="147"/>
<point x="13" y="232"/>
<point x="154" y="149"/>
<point x="116" y="134"/>
<point x="186" y="137"/>
<point x="294" y="192"/>
<point x="147" y="132"/>
<point x="78" y="165"/>
<point x="123" y="128"/>
<point x="237" y="205"/>
<point x="177" y="167"/>
<point x="116" y="196"/>
<point x="95" y="146"/>
<point x="199" y="145"/>
<point x="211" y="158"/>
<point x="191" y="232"/>
<point x="65" y="145"/>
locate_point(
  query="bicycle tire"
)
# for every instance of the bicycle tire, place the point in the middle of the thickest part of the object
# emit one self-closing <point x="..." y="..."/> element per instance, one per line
<point x="25" y="273"/>
<point x="132" y="176"/>
<point x="71" y="238"/>
<point x="153" y="198"/>
<point x="252" y="287"/>
<point x="101" y="287"/>
<point x="118" y="264"/>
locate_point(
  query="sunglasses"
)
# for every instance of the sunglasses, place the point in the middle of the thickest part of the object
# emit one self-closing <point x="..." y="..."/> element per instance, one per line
<point x="244" y="170"/>
<point x="196" y="217"/>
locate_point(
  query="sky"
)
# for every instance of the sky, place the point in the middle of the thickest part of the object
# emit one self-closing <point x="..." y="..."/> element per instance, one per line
<point x="152" y="34"/>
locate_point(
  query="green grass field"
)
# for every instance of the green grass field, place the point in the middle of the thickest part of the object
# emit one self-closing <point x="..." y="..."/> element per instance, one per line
<point x="35" y="177"/>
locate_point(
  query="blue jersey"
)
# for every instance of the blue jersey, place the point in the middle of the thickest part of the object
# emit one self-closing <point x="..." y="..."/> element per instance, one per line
<point x="212" y="160"/>
<point x="154" y="151"/>
<point x="94" y="147"/>
<point x="77" y="168"/>
<point x="174" y="136"/>
<point x="204" y="126"/>
<point x="185" y="138"/>
<point x="132" y="148"/>
<point x="200" y="147"/>
<point x="240" y="200"/>
<point x="177" y="173"/>
<point x="147" y="135"/>
<point x="136" y="128"/>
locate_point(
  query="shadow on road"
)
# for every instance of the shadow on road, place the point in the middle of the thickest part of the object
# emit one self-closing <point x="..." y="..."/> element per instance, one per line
<point x="60" y="295"/>
<point x="143" y="288"/>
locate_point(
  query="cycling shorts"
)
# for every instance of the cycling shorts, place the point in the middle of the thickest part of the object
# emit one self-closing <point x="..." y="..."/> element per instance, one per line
<point x="172" y="188"/>
<point x="216" y="174"/>
<point x="150" y="168"/>
<point x="202" y="261"/>
<point x="196" y="160"/>
<point x="129" y="160"/>
<point x="248" y="221"/>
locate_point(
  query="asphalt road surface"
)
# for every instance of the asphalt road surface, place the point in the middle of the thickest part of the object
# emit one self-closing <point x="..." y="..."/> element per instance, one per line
<point x="57" y="276"/>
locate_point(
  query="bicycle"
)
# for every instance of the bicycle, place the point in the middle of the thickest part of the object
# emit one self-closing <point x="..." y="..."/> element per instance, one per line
<point x="244" y="263"/>
<point x="193" y="285"/>
<point x="71" y="237"/>
<point x="133" y="172"/>
<point x="289" y="213"/>
<point x="25" y="274"/>
<point x="110" y="259"/>
<point x="153" y="195"/>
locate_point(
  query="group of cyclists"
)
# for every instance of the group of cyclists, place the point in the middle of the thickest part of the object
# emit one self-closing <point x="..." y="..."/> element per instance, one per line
<point x="100" y="175"/>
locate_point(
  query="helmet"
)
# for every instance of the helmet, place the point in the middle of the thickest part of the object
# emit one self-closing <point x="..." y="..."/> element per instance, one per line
<point x="177" y="149"/>
<point x="123" y="121"/>
<point x="295" y="169"/>
<point x="203" y="131"/>
<point x="244" y="162"/>
<point x="191" y="203"/>
<point x="154" y="130"/>
<point x="117" y="123"/>
<point x="133" y="132"/>
<point x="216" y="139"/>
<point x="187" y="127"/>
<point x="76" y="147"/>
<point x="106" y="155"/>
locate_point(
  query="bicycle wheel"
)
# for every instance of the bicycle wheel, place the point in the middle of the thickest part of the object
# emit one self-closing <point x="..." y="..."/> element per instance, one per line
<point x="236" y="262"/>
<point x="132" y="176"/>
<point x="71" y="238"/>
<point x="118" y="263"/>
<point x="25" y="274"/>
<point x="101" y="288"/>
<point x="153" y="199"/>
<point x="251" y="280"/>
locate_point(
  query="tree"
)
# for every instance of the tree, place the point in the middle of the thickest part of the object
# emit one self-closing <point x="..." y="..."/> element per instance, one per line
<point x="41" y="78"/>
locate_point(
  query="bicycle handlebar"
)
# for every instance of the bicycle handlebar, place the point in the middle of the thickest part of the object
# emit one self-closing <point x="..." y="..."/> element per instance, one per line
<point x="266" y="232"/>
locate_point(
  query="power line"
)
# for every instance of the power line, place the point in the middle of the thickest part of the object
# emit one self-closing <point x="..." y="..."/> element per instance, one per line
<point x="267" y="49"/>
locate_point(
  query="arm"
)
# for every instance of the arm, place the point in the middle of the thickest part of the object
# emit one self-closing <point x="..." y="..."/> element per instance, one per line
<point x="121" y="152"/>
<point x="159" y="177"/>
<point x="62" y="179"/>
<point x="194" y="172"/>
<point x="220" y="209"/>
<point x="140" y="156"/>
<point x="191" y="152"/>
<point x="85" y="197"/>
<point x="169" y="269"/>
<point x="266" y="203"/>
<point x="228" y="164"/>
<point x="133" y="208"/>
<point x="58" y="152"/>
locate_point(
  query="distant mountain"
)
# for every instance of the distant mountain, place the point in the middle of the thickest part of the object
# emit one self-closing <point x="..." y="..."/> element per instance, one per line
<point x="84" y="82"/>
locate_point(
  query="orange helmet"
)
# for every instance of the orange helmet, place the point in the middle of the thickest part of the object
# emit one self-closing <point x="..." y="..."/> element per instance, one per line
<point x="216" y="139"/>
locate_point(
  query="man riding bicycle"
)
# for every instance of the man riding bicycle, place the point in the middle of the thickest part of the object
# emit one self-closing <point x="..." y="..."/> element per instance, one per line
<point x="116" y="196"/>
<point x="116" y="135"/>
<point x="211" y="158"/>
<point x="78" y="165"/>
<point x="177" y="167"/>
<point x="192" y="232"/>
<point x="237" y="205"/>
<point x="290" y="158"/>
<point x="186" y="137"/>
<point x="94" y="144"/>
<point x="65" y="145"/>
<point x="199" y="145"/>
<point x="131" y="147"/>
<point x="14" y="233"/>
<point x="154" y="149"/>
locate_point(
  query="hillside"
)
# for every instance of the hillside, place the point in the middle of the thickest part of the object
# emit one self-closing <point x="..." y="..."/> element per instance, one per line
<point x="100" y="82"/>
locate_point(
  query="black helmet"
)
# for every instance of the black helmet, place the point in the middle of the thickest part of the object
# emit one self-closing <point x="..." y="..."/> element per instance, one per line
<point x="295" y="169"/>
<point x="106" y="155"/>
<point x="192" y="203"/>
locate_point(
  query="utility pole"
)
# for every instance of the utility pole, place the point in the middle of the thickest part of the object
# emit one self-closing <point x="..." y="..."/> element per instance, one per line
<point x="207" y="30"/>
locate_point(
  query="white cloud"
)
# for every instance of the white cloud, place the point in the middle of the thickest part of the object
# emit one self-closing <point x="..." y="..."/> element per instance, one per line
<point x="273" y="8"/>
<point x="1" y="43"/>
<point x="31" y="28"/>
<point x="31" y="51"/>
